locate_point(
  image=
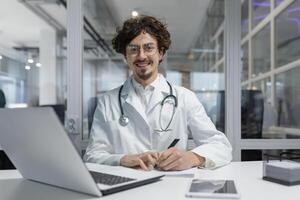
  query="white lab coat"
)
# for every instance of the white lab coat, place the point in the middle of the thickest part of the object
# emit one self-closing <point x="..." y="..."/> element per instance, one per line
<point x="110" y="141"/>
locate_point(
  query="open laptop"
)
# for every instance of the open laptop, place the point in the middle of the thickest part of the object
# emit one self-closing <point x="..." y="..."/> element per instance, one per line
<point x="41" y="150"/>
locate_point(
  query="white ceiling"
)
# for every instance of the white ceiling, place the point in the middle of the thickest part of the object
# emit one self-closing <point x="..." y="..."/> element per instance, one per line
<point x="21" y="27"/>
<point x="18" y="25"/>
<point x="183" y="17"/>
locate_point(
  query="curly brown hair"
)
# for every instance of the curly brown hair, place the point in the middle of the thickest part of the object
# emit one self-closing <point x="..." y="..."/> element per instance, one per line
<point x="134" y="26"/>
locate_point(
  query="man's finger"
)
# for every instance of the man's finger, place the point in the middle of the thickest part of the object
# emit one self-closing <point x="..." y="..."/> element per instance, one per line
<point x="142" y="165"/>
<point x="176" y="165"/>
<point x="165" y="154"/>
<point x="149" y="160"/>
<point x="173" y="157"/>
<point x="155" y="155"/>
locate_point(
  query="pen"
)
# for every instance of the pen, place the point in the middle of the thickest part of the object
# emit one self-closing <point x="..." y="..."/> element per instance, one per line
<point x="173" y="143"/>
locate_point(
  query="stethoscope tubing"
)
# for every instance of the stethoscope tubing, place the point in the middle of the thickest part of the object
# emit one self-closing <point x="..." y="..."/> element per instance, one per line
<point x="124" y="120"/>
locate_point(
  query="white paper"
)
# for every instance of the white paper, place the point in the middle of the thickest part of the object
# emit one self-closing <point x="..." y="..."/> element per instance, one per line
<point x="184" y="173"/>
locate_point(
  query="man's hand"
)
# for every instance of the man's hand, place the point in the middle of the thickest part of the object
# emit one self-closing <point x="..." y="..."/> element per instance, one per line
<point x="173" y="159"/>
<point x="145" y="161"/>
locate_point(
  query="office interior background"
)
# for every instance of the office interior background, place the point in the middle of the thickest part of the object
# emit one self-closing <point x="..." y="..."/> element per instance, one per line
<point x="58" y="53"/>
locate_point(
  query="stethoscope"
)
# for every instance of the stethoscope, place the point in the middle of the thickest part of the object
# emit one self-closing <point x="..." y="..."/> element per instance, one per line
<point x="124" y="120"/>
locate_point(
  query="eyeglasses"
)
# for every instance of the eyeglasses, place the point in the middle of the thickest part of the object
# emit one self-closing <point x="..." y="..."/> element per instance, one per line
<point x="149" y="49"/>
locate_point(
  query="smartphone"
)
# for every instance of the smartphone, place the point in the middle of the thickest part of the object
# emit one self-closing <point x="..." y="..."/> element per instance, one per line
<point x="224" y="189"/>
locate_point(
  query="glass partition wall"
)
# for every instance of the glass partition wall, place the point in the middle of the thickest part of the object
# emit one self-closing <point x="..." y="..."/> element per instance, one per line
<point x="270" y="75"/>
<point x="32" y="57"/>
<point x="32" y="53"/>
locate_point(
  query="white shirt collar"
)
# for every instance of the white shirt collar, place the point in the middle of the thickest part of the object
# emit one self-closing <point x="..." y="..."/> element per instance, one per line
<point x="139" y="88"/>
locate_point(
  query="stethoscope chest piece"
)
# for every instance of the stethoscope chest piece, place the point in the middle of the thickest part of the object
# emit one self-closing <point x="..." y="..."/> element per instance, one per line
<point x="124" y="120"/>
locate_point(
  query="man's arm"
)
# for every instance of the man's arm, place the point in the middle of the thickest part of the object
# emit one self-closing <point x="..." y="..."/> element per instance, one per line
<point x="145" y="161"/>
<point x="174" y="160"/>
<point x="212" y="147"/>
<point x="211" y="144"/>
<point x="100" y="149"/>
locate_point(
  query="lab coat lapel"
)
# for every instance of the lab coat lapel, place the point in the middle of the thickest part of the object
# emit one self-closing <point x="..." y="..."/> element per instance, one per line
<point x="160" y="92"/>
<point x="131" y="99"/>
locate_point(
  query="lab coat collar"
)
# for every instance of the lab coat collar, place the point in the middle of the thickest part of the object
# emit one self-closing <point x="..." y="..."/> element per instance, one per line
<point x="160" y="86"/>
<point x="161" y="90"/>
<point x="130" y="97"/>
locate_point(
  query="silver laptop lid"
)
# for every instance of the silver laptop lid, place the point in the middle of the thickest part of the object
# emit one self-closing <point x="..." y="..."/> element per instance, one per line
<point x="34" y="140"/>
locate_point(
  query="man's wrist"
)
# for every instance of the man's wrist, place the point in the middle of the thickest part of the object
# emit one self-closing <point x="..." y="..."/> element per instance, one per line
<point x="198" y="160"/>
<point x="124" y="160"/>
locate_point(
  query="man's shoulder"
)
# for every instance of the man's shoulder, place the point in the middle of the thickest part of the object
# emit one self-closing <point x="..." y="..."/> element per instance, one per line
<point x="113" y="93"/>
<point x="183" y="91"/>
<point x="186" y="95"/>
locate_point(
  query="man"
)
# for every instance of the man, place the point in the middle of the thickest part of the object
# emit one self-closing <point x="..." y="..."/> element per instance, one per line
<point x="135" y="123"/>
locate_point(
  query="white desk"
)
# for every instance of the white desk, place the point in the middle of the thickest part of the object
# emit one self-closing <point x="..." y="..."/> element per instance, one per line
<point x="247" y="176"/>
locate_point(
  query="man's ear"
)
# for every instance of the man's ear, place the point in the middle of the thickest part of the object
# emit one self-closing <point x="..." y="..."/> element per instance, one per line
<point x="161" y="56"/>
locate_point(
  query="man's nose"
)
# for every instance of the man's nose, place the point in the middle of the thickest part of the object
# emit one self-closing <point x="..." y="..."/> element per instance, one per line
<point x="141" y="53"/>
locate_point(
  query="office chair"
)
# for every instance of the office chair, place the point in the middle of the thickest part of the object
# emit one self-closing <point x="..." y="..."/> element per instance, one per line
<point x="252" y="112"/>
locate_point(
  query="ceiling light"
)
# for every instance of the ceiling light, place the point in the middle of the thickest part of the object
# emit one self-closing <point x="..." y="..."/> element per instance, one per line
<point x="38" y="64"/>
<point x="30" y="60"/>
<point x="134" y="13"/>
<point x="27" y="67"/>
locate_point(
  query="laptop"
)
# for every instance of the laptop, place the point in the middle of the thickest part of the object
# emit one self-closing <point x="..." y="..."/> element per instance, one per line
<point x="37" y="144"/>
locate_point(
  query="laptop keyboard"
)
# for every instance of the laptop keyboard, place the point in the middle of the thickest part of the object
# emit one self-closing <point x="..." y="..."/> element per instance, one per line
<point x="108" y="179"/>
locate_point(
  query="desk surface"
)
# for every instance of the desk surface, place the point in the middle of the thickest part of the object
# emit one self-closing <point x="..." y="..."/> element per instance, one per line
<point x="247" y="176"/>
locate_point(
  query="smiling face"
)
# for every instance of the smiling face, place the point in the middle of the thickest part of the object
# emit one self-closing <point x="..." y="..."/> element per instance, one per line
<point x="143" y="58"/>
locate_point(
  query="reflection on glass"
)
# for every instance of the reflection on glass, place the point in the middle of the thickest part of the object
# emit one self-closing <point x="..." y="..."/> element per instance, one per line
<point x="245" y="62"/>
<point x="212" y="56"/>
<point x="261" y="51"/>
<point x="245" y="18"/>
<point x="260" y="8"/>
<point x="269" y="111"/>
<point x="278" y="2"/>
<point x="287" y="37"/>
<point x="252" y="109"/>
<point x="221" y="68"/>
<point x="209" y="87"/>
<point x="99" y="76"/>
<point x="215" y="16"/>
<point x="174" y="77"/>
<point x="221" y="46"/>
<point x="288" y="98"/>
<point x="244" y="87"/>
<point x="13" y="77"/>
<point x="264" y="86"/>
